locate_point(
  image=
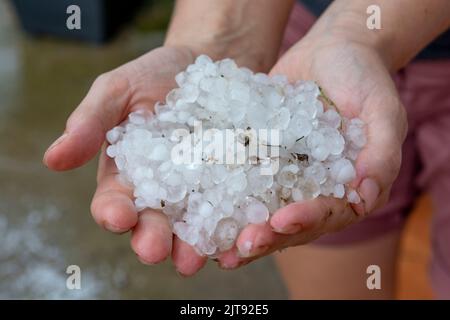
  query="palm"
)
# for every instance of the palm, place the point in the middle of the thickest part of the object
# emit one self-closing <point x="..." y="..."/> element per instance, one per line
<point x="352" y="76"/>
<point x="152" y="76"/>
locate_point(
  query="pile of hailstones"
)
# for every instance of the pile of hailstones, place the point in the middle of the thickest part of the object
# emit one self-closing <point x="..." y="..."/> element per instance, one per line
<point x="210" y="202"/>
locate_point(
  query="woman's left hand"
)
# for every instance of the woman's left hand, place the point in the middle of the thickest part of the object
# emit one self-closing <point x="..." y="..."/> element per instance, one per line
<point x="357" y="80"/>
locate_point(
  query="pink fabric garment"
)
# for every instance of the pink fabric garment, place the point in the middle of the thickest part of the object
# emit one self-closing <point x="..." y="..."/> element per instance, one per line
<point x="424" y="87"/>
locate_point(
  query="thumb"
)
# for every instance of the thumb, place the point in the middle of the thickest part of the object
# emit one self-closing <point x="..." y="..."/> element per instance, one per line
<point x="104" y="107"/>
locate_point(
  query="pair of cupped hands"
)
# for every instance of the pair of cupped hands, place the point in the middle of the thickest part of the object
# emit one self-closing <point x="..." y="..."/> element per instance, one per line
<point x="353" y="75"/>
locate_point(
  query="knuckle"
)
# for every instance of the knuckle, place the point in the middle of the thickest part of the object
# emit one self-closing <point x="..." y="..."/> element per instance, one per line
<point x="94" y="204"/>
<point x="94" y="207"/>
<point x="388" y="167"/>
<point x="384" y="197"/>
<point x="395" y="160"/>
<point x="402" y="122"/>
<point x="101" y="80"/>
<point x="113" y="82"/>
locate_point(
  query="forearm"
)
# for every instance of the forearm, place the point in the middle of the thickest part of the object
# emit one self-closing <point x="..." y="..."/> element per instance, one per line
<point x="407" y="26"/>
<point x="249" y="31"/>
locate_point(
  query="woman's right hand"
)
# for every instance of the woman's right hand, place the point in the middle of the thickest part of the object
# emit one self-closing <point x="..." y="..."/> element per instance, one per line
<point x="138" y="84"/>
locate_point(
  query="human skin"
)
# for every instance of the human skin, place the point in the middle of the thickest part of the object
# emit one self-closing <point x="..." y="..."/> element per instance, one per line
<point x="354" y="65"/>
<point x="197" y="27"/>
<point x="351" y="63"/>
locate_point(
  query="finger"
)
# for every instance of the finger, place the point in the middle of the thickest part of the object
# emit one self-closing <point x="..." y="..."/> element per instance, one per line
<point x="313" y="217"/>
<point x="104" y="107"/>
<point x="229" y="259"/>
<point x="187" y="261"/>
<point x="258" y="240"/>
<point x="112" y="205"/>
<point x="253" y="241"/>
<point x="378" y="163"/>
<point x="295" y="224"/>
<point x="152" y="237"/>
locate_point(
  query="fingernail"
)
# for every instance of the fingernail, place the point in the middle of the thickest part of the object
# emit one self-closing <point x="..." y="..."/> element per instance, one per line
<point x="235" y="265"/>
<point x="369" y="191"/>
<point x="181" y="274"/>
<point x="143" y="261"/>
<point x="289" y="229"/>
<point x="58" y="141"/>
<point x="227" y="266"/>
<point x="248" y="251"/>
<point x="245" y="248"/>
<point x="224" y="266"/>
<point x="258" y="251"/>
<point x="113" y="228"/>
<point x="54" y="144"/>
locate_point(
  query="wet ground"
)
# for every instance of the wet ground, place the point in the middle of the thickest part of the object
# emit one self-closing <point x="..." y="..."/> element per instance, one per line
<point x="45" y="224"/>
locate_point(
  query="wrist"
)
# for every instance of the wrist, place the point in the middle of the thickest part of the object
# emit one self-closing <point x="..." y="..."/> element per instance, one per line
<point x="248" y="31"/>
<point x="221" y="44"/>
<point x="349" y="29"/>
<point x="406" y="27"/>
<point x="377" y="42"/>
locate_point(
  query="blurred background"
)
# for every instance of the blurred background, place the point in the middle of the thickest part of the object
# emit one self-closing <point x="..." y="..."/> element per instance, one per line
<point x="45" y="223"/>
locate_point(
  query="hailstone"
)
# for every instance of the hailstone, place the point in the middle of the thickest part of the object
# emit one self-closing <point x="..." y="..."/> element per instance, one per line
<point x="229" y="147"/>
